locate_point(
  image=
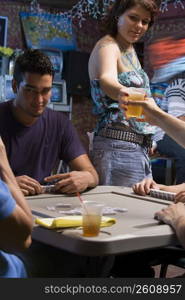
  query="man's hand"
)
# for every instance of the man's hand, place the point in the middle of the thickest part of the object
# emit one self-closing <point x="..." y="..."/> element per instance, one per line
<point x="72" y="182"/>
<point x="180" y="197"/>
<point x="171" y="214"/>
<point x="29" y="186"/>
<point x="174" y="215"/>
<point x="143" y="187"/>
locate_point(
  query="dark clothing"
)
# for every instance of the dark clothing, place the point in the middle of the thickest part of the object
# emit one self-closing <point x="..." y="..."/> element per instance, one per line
<point x="170" y="148"/>
<point x="34" y="150"/>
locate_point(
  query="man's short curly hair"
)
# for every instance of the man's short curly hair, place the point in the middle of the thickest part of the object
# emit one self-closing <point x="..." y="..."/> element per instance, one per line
<point x="32" y="61"/>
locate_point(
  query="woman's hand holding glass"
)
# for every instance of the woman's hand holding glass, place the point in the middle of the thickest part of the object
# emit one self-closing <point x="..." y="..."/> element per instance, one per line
<point x="123" y="98"/>
<point x="149" y="108"/>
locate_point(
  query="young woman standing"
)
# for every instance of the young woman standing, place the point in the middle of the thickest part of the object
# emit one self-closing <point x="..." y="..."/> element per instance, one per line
<point x="120" y="146"/>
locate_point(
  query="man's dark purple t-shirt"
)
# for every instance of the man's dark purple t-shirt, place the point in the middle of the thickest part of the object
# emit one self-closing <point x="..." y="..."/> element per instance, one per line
<point x="34" y="150"/>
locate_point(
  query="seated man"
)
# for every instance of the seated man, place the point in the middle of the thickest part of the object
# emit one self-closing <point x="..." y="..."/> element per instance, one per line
<point x="36" y="137"/>
<point x="15" y="221"/>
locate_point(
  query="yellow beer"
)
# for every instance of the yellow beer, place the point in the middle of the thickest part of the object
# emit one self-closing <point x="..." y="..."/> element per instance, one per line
<point x="91" y="225"/>
<point x="135" y="110"/>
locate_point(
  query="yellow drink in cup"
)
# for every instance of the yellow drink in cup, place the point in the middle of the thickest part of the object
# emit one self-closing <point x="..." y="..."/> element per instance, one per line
<point x="91" y="225"/>
<point x="135" y="94"/>
<point x="91" y="218"/>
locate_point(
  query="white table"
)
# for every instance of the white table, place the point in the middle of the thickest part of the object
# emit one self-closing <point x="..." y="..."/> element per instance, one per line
<point x="135" y="229"/>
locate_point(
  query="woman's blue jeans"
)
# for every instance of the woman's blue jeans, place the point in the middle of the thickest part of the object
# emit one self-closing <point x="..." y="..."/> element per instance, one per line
<point x="119" y="162"/>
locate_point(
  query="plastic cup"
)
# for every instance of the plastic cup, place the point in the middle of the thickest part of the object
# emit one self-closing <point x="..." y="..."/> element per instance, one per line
<point x="91" y="218"/>
<point x="135" y="94"/>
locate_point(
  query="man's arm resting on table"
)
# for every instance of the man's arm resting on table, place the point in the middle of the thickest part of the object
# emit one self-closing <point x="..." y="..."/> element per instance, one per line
<point x="174" y="215"/>
<point x="82" y="176"/>
<point x="15" y="230"/>
<point x="143" y="187"/>
<point x="172" y="188"/>
<point x="83" y="164"/>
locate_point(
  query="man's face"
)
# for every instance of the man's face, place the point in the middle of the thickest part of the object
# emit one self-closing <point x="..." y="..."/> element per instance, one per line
<point x="34" y="93"/>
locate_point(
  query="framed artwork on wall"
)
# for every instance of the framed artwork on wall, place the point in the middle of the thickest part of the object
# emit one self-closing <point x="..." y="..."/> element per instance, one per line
<point x="46" y="30"/>
<point x="3" y="31"/>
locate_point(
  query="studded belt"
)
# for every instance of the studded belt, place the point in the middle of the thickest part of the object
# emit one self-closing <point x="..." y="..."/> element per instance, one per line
<point x="133" y="137"/>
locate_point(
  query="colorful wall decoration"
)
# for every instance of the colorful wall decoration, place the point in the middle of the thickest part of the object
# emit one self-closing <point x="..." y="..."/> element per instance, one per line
<point x="161" y="40"/>
<point x="46" y="30"/>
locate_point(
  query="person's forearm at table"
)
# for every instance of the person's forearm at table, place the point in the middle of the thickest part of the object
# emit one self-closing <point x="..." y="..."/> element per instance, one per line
<point x="9" y="178"/>
<point x="172" y="188"/>
<point x="83" y="164"/>
<point x="15" y="234"/>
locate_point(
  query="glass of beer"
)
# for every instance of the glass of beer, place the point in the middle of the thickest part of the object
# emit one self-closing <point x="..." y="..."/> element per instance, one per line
<point x="91" y="218"/>
<point x="135" y="94"/>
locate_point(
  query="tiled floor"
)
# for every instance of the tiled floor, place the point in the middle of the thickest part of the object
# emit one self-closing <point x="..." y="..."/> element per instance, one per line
<point x="172" y="271"/>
